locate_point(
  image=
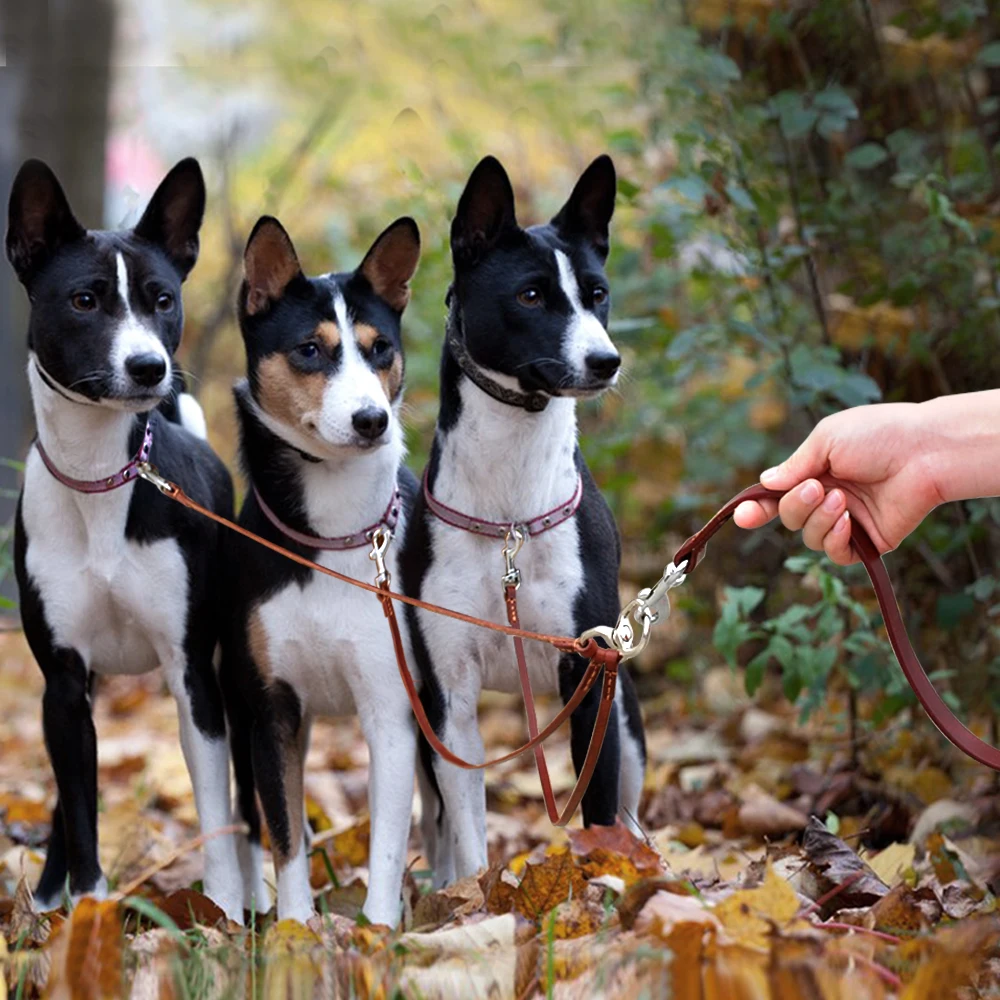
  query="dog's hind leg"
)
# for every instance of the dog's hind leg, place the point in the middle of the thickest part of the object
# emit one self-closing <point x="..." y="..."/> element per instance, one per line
<point x="278" y="765"/>
<point x="435" y="831"/>
<point x="195" y="688"/>
<point x="632" y="740"/>
<point x="600" y="801"/>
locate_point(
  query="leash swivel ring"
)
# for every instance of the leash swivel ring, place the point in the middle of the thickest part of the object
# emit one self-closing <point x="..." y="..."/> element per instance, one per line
<point x="380" y="539"/>
<point x="512" y="543"/>
<point x="146" y="470"/>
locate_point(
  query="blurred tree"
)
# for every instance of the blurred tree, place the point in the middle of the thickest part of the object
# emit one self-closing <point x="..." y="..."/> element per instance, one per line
<point x="53" y="105"/>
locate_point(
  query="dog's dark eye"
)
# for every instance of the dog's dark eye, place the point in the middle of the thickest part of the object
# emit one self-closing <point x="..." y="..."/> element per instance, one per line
<point x="164" y="302"/>
<point x="530" y="297"/>
<point x="381" y="347"/>
<point x="84" y="302"/>
<point x="308" y="350"/>
<point x="600" y="295"/>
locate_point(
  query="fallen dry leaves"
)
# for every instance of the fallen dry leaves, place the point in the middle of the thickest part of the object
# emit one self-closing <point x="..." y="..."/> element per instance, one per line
<point x="770" y="869"/>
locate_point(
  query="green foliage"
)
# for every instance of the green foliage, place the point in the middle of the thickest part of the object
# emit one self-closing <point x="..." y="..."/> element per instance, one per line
<point x="807" y="642"/>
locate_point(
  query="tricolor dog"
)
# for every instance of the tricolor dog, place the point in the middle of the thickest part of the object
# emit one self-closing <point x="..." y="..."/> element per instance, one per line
<point x="322" y="448"/>
<point x="527" y="337"/>
<point x="114" y="577"/>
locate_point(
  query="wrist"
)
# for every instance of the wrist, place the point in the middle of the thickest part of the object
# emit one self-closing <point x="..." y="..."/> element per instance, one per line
<point x="959" y="441"/>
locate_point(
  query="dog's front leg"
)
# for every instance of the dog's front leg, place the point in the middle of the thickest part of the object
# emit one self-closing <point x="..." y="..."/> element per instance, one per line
<point x="72" y="745"/>
<point x="463" y="792"/>
<point x="203" y="742"/>
<point x="392" y="746"/>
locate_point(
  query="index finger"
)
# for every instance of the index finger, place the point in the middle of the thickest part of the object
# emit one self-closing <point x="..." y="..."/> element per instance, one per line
<point x="755" y="513"/>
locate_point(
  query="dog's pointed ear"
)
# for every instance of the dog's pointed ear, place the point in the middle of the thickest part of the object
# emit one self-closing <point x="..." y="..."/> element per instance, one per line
<point x="392" y="261"/>
<point x="40" y="220"/>
<point x="270" y="264"/>
<point x="591" y="205"/>
<point x="174" y="214"/>
<point x="485" y="210"/>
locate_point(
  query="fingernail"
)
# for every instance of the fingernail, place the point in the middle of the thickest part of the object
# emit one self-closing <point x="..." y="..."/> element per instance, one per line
<point x="833" y="502"/>
<point x="841" y="526"/>
<point x="810" y="493"/>
<point x="770" y="473"/>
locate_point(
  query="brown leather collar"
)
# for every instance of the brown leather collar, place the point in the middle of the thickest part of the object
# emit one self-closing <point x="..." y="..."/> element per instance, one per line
<point x="126" y="474"/>
<point x="339" y="543"/>
<point x="498" y="529"/>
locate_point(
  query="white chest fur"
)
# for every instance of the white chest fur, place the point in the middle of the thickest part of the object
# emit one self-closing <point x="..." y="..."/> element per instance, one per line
<point x="327" y="639"/>
<point x="121" y="605"/>
<point x="330" y="640"/>
<point x="502" y="465"/>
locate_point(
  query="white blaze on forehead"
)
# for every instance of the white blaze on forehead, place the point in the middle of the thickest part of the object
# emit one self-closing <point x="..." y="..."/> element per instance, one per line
<point x="354" y="386"/>
<point x="132" y="336"/>
<point x="584" y="333"/>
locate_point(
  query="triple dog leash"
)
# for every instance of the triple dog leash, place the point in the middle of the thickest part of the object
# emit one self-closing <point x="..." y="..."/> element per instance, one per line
<point x="625" y="639"/>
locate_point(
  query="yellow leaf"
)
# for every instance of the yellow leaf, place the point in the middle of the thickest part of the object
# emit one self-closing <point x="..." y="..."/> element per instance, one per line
<point x="749" y="915"/>
<point x="891" y="863"/>
<point x="296" y="963"/>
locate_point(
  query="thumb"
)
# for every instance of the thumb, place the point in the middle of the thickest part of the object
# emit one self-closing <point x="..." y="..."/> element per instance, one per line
<point x="810" y="460"/>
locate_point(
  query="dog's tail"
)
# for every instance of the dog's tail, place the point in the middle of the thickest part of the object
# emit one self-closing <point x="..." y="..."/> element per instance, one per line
<point x="182" y="408"/>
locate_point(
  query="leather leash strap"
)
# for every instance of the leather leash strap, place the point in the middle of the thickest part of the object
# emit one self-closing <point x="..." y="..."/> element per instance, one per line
<point x="597" y="656"/>
<point x="598" y="659"/>
<point x="934" y="705"/>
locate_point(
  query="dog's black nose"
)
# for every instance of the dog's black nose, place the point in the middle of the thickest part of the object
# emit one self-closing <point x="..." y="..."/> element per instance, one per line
<point x="602" y="364"/>
<point x="370" y="422"/>
<point x="146" y="369"/>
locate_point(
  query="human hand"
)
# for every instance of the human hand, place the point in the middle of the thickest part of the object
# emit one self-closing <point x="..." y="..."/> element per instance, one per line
<point x="874" y="463"/>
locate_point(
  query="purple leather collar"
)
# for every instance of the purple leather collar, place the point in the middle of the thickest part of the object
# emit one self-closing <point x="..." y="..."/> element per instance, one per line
<point x="499" y="529"/>
<point x="359" y="539"/>
<point x="124" y="475"/>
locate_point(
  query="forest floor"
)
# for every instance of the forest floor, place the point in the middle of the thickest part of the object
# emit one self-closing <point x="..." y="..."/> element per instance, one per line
<point x="773" y="866"/>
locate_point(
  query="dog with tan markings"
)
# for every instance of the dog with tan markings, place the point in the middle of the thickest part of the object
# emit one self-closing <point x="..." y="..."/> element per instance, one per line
<point x="322" y="450"/>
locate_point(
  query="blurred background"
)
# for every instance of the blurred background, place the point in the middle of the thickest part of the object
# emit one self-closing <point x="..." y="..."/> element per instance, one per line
<point x="807" y="220"/>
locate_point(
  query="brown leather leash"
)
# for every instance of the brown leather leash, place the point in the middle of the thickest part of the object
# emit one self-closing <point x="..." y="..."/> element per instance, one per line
<point x="624" y="640"/>
<point x="599" y="659"/>
<point x="934" y="705"/>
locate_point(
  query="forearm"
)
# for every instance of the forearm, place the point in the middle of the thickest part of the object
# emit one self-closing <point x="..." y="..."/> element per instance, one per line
<point x="963" y="438"/>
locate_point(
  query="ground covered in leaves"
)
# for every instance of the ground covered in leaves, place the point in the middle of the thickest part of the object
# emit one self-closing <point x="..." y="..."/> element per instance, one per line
<point x="774" y="866"/>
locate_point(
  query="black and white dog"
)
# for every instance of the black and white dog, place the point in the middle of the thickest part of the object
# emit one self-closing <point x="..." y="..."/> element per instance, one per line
<point x="322" y="447"/>
<point x="115" y="578"/>
<point x="526" y="338"/>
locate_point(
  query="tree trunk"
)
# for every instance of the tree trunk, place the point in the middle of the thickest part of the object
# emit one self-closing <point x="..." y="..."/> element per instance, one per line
<point x="53" y="105"/>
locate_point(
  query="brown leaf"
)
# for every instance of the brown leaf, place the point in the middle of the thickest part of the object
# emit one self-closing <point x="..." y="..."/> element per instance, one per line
<point x="459" y="899"/>
<point x="905" y="911"/>
<point x="763" y="815"/>
<point x="87" y="954"/>
<point x="499" y="895"/>
<point x="189" y="908"/>
<point x="957" y="954"/>
<point x="614" y="850"/>
<point x="548" y="884"/>
<point x="631" y="902"/>
<point x="835" y="864"/>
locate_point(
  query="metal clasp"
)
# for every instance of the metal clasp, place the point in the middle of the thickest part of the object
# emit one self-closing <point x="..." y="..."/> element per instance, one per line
<point x="147" y="471"/>
<point x="631" y="632"/>
<point x="673" y="576"/>
<point x="381" y="537"/>
<point x="512" y="575"/>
